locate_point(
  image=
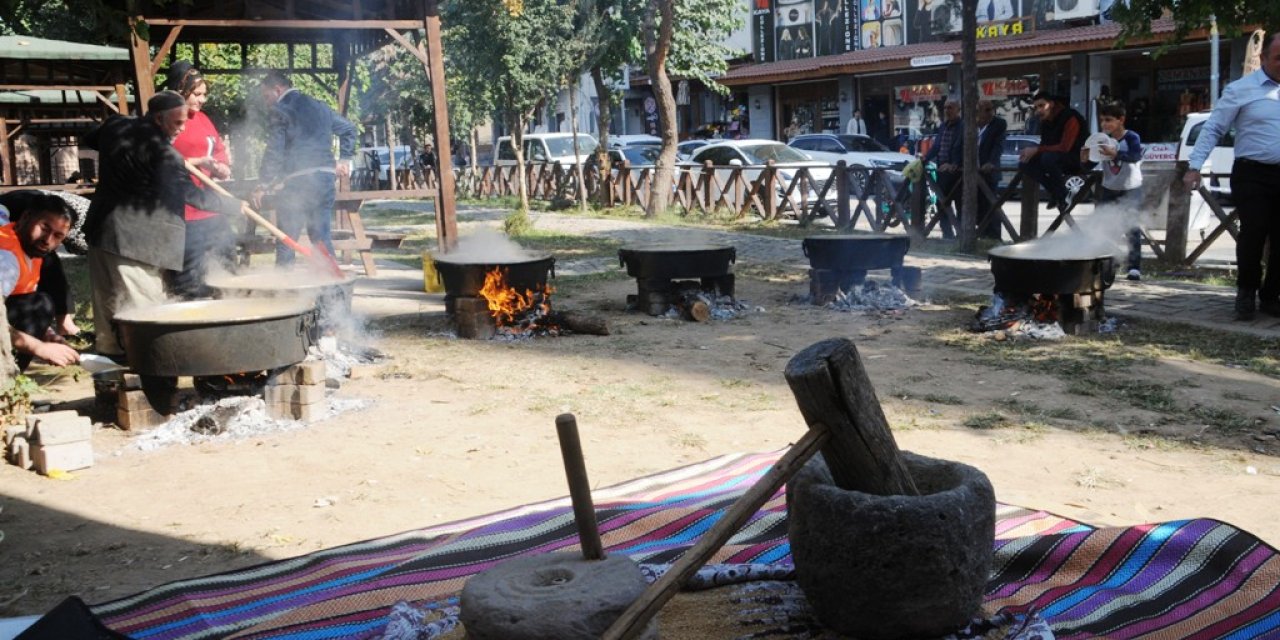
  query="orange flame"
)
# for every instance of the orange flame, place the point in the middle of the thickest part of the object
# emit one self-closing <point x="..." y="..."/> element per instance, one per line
<point x="1045" y="309"/>
<point x="507" y="305"/>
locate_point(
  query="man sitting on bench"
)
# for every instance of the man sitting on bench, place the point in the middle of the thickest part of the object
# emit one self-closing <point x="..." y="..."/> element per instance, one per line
<point x="1062" y="135"/>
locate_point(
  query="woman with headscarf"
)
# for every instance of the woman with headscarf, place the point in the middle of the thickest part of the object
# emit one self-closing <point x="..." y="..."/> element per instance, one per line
<point x="209" y="238"/>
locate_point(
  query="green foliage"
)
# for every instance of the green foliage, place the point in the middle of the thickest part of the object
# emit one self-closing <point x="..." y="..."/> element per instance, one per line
<point x="517" y="223"/>
<point x="696" y="49"/>
<point x="15" y="400"/>
<point x="1233" y="16"/>
<point x="87" y="21"/>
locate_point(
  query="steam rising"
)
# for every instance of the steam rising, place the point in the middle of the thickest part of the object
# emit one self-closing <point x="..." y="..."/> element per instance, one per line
<point x="487" y="246"/>
<point x="1099" y="235"/>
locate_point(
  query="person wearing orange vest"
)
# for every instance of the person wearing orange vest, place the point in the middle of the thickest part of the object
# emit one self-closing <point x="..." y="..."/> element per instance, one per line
<point x="24" y="244"/>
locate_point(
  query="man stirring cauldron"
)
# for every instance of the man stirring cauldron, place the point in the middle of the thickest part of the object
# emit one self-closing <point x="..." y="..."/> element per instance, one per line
<point x="135" y="227"/>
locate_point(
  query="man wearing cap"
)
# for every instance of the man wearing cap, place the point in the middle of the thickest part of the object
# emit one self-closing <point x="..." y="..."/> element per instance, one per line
<point x="298" y="161"/>
<point x="135" y="228"/>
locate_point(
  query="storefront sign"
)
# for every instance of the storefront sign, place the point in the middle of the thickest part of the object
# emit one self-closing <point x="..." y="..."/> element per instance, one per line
<point x="762" y="30"/>
<point x="1001" y="88"/>
<point x="1182" y="78"/>
<point x="933" y="61"/>
<point x="1004" y="29"/>
<point x="1160" y="152"/>
<point x="920" y="93"/>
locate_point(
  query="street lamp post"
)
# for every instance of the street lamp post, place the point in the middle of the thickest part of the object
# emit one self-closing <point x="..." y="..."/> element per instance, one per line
<point x="1213" y="61"/>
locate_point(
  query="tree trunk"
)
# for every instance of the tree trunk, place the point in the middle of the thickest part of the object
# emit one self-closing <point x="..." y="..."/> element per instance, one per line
<point x="517" y="147"/>
<point x="657" y="44"/>
<point x="573" y="127"/>
<point x="968" y="218"/>
<point x="605" y="95"/>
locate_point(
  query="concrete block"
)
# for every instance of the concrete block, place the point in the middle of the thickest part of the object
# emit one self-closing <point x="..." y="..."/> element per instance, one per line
<point x="19" y="451"/>
<point x="59" y="417"/>
<point x="138" y="419"/>
<point x="133" y="401"/>
<point x="63" y="457"/>
<point x="131" y="381"/>
<point x="14" y="431"/>
<point x="307" y="372"/>
<point x="63" y="431"/>
<point x="295" y="393"/>
<point x="296" y="411"/>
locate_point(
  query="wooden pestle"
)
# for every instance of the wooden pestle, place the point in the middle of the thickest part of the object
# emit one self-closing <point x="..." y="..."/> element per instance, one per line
<point x="575" y="469"/>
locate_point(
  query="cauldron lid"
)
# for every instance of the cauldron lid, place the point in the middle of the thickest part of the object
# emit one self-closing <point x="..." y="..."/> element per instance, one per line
<point x="1031" y="251"/>
<point x="673" y="247"/>
<point x="481" y="260"/>
<point x="227" y="310"/>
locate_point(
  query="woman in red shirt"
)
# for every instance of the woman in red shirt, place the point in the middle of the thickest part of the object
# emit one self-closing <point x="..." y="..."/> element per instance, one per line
<point x="210" y="240"/>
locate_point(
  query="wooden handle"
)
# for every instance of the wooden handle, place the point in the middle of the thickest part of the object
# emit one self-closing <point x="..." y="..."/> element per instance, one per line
<point x="632" y="621"/>
<point x="248" y="212"/>
<point x="575" y="468"/>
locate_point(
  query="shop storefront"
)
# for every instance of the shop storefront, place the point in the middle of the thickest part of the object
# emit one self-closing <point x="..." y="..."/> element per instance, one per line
<point x="811" y="107"/>
<point x="1158" y="93"/>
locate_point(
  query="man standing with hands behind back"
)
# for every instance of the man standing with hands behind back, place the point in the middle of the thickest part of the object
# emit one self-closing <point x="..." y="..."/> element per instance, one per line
<point x="299" y="162"/>
<point x="857" y="126"/>
<point x="1252" y="106"/>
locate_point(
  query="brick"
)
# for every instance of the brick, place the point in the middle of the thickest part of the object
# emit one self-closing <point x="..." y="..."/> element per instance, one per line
<point x="14" y="431"/>
<point x="131" y="381"/>
<point x="20" y="453"/>
<point x="133" y="401"/>
<point x="63" y="431"/>
<point x="139" y="419"/>
<point x="301" y="394"/>
<point x="59" y="416"/>
<point x="63" y="457"/>
<point x="296" y="411"/>
<point x="306" y="372"/>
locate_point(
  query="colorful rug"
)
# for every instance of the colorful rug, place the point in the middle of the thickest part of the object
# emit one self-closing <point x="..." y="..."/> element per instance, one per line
<point x="1186" y="579"/>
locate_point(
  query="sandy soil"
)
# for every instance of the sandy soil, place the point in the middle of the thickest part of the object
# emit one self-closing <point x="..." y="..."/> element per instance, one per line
<point x="459" y="428"/>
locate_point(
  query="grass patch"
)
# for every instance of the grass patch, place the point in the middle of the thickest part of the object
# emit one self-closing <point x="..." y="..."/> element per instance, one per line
<point x="1222" y="419"/>
<point x="989" y="420"/>
<point x="1236" y="395"/>
<point x="1143" y="395"/>
<point x="933" y="398"/>
<point x="1028" y="409"/>
<point x="569" y="246"/>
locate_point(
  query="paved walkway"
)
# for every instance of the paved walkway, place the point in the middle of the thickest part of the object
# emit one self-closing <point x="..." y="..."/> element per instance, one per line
<point x="399" y="290"/>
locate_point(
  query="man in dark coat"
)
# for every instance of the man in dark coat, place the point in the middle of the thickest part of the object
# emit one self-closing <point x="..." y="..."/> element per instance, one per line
<point x="298" y="162"/>
<point x="135" y="228"/>
<point x="948" y="152"/>
<point x="1062" y="134"/>
<point x="991" y="132"/>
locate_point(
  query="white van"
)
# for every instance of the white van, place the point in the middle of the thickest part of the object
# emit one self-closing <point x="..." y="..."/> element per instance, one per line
<point x="547" y="148"/>
<point x="1217" y="169"/>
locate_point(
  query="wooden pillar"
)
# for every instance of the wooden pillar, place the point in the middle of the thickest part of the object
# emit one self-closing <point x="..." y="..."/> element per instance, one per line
<point x="140" y="55"/>
<point x="446" y="216"/>
<point x="342" y="60"/>
<point x="1175" y="228"/>
<point x="122" y="99"/>
<point x="6" y="154"/>
<point x="1030" y="224"/>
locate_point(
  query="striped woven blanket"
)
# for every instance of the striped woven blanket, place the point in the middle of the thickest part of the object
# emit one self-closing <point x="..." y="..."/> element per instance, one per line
<point x="1186" y="579"/>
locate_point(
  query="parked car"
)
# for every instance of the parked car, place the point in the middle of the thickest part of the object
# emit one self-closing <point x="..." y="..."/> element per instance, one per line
<point x="1217" y="168"/>
<point x="370" y="168"/>
<point x="636" y="157"/>
<point x="1009" y="158"/>
<point x="753" y="155"/>
<point x="855" y="150"/>
<point x="685" y="149"/>
<point x="634" y="140"/>
<point x="547" y="148"/>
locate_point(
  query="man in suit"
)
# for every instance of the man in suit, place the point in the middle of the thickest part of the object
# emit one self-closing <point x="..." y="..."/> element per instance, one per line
<point x="991" y="131"/>
<point x="857" y="126"/>
<point x="298" y="162"/>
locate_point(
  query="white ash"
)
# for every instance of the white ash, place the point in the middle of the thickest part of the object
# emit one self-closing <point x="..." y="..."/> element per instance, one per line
<point x="1031" y="330"/>
<point x="340" y="356"/>
<point x="722" y="307"/>
<point x="251" y="420"/>
<point x="873" y="295"/>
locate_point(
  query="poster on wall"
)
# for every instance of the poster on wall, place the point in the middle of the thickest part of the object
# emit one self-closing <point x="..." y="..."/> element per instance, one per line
<point x="1050" y="11"/>
<point x="880" y="23"/>
<point x="794" y="29"/>
<point x="1012" y="98"/>
<point x="933" y="20"/>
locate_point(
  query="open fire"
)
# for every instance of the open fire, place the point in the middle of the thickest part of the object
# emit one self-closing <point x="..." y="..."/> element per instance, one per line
<point x="515" y="313"/>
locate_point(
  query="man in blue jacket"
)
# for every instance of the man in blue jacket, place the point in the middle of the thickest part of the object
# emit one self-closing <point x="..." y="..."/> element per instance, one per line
<point x="948" y="152"/>
<point x="298" y="163"/>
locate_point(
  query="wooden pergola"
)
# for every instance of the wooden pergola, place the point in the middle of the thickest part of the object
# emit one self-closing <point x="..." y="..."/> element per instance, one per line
<point x="56" y="91"/>
<point x="352" y="28"/>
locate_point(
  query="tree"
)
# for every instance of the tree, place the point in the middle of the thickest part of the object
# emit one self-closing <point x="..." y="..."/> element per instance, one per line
<point x="1232" y="16"/>
<point x="968" y="218"/>
<point x="682" y="39"/>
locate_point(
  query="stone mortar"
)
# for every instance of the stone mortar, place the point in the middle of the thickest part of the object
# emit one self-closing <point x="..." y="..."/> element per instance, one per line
<point x="554" y="596"/>
<point x="886" y="567"/>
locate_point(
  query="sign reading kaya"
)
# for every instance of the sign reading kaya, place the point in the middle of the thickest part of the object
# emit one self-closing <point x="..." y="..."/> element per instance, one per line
<point x="933" y="20"/>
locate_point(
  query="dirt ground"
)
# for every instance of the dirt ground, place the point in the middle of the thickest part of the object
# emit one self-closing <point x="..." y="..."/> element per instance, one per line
<point x="460" y="428"/>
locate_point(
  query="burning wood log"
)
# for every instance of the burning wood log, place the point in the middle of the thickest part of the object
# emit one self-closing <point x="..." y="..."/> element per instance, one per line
<point x="578" y="322"/>
<point x="694" y="306"/>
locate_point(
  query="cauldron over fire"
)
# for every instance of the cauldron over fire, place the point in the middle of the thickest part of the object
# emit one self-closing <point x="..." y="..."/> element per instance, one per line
<point x="465" y="278"/>
<point x="1074" y="281"/>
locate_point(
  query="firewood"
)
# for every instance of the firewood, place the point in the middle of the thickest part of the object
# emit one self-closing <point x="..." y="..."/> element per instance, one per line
<point x="578" y="322"/>
<point x="832" y="388"/>
<point x="694" y="306"/>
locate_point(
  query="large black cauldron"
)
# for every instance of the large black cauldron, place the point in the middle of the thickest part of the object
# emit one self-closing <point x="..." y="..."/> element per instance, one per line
<point x="664" y="261"/>
<point x="465" y="278"/>
<point x="1023" y="269"/>
<point x="856" y="252"/>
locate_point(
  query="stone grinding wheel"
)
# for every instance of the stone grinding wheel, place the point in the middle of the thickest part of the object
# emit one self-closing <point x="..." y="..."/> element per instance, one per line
<point x="554" y="596"/>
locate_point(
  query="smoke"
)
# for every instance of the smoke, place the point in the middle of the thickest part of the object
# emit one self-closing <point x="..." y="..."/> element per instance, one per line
<point x="1100" y="234"/>
<point x="487" y="246"/>
<point x="678" y="239"/>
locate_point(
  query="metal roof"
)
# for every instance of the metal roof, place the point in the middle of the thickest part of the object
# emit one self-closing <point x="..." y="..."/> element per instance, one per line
<point x="1077" y="39"/>
<point x="29" y="48"/>
<point x="55" y="97"/>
